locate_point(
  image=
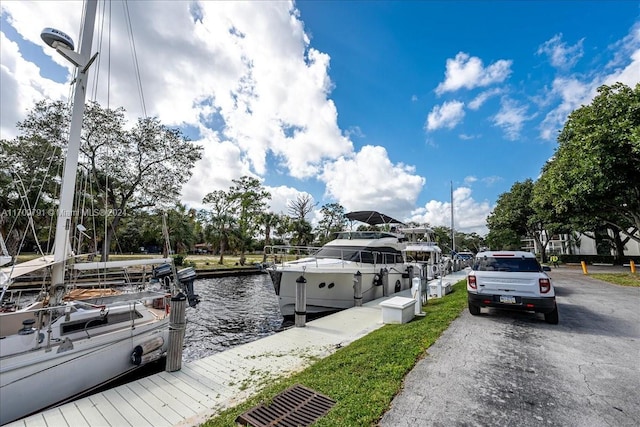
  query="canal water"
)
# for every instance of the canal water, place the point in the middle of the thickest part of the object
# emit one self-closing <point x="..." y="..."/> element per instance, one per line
<point x="232" y="311"/>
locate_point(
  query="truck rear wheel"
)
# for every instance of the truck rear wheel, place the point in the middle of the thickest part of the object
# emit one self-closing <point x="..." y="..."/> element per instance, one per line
<point x="474" y="309"/>
<point x="552" y="316"/>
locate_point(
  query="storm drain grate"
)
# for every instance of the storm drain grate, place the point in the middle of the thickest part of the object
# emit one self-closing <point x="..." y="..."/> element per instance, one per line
<point x="297" y="406"/>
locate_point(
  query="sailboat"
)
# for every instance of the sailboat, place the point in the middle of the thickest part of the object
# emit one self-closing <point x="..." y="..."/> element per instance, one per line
<point x="59" y="347"/>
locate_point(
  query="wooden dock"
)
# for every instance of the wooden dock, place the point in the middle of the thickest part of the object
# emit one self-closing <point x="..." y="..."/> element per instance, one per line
<point x="205" y="387"/>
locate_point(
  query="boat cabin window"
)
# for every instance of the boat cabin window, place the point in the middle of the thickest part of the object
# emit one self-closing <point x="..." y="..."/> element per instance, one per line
<point x="97" y="321"/>
<point x="362" y="254"/>
<point x="419" y="256"/>
<point x="364" y="235"/>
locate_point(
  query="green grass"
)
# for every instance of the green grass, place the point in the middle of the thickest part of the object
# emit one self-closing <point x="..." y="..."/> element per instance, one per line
<point x="622" y="279"/>
<point x="364" y="376"/>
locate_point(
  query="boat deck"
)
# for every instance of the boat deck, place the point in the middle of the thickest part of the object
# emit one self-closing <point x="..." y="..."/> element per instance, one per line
<point x="205" y="387"/>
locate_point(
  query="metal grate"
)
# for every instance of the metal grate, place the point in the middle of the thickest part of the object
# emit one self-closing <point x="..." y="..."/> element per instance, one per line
<point x="297" y="406"/>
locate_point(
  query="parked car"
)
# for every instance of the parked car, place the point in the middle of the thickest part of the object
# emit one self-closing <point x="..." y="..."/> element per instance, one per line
<point x="512" y="280"/>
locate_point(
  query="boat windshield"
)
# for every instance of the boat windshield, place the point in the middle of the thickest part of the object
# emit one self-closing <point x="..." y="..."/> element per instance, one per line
<point x="365" y="235"/>
<point x="362" y="254"/>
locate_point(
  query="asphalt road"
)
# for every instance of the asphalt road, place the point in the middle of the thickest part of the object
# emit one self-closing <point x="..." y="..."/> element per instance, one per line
<point x="512" y="369"/>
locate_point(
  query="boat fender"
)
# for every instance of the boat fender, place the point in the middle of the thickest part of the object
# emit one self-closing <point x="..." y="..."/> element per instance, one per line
<point x="146" y="358"/>
<point x="146" y="348"/>
<point x="377" y="280"/>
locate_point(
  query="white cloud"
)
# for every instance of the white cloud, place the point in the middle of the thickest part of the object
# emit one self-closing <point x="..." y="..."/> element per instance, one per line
<point x="572" y="94"/>
<point x="470" y="215"/>
<point x="22" y="87"/>
<point x="447" y="115"/>
<point x="243" y="69"/>
<point x="477" y="102"/>
<point x="574" y="91"/>
<point x="470" y="179"/>
<point x="560" y="55"/>
<point x="491" y="180"/>
<point x="370" y="181"/>
<point x="221" y="163"/>
<point x="625" y="66"/>
<point x="511" y="117"/>
<point x="468" y="72"/>
<point x="282" y="196"/>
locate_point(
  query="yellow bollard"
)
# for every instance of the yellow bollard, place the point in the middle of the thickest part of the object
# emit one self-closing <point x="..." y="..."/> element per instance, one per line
<point x="584" y="267"/>
<point x="633" y="266"/>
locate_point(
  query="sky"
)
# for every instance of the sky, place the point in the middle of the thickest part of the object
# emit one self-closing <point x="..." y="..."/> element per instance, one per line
<point x="375" y="105"/>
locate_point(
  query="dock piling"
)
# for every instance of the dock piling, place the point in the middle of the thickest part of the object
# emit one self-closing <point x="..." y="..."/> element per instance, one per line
<point x="177" y="326"/>
<point x="301" y="302"/>
<point x="357" y="289"/>
<point x="384" y="273"/>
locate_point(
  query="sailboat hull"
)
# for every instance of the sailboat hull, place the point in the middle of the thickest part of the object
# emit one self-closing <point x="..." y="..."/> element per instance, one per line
<point x="39" y="378"/>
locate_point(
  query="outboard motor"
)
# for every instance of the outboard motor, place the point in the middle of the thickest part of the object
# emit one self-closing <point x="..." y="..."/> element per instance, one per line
<point x="186" y="276"/>
<point x="163" y="270"/>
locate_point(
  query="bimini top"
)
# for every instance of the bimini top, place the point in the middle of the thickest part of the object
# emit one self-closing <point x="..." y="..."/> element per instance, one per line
<point x="371" y="218"/>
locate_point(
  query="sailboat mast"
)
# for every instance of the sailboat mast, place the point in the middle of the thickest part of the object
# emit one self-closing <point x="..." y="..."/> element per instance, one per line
<point x="453" y="231"/>
<point x="61" y="243"/>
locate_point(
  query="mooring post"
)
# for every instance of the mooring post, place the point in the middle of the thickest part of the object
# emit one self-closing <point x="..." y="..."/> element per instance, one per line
<point x="301" y="302"/>
<point x="357" y="288"/>
<point x="177" y="326"/>
<point x="384" y="274"/>
<point x="584" y="267"/>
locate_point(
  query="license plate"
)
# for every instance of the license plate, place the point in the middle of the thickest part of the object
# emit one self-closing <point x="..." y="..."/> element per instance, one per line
<point x="507" y="299"/>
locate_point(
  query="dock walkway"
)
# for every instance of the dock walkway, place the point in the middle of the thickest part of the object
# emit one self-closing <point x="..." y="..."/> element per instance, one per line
<point x="205" y="387"/>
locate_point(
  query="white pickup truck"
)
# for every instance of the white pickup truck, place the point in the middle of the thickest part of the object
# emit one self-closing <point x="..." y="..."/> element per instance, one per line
<point x="512" y="280"/>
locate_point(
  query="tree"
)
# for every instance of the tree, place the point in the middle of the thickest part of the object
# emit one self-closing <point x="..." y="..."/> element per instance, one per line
<point x="129" y="170"/>
<point x="298" y="210"/>
<point x="301" y="207"/>
<point x="181" y="225"/>
<point x="268" y="220"/>
<point x="516" y="214"/>
<point x="29" y="164"/>
<point x="148" y="168"/>
<point x="221" y="220"/>
<point x="595" y="172"/>
<point x="237" y="213"/>
<point x="250" y="198"/>
<point x="443" y="237"/>
<point x="333" y="220"/>
<point x="283" y="227"/>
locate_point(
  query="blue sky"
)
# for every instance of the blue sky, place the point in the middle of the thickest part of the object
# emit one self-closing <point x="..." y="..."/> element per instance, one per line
<point x="371" y="104"/>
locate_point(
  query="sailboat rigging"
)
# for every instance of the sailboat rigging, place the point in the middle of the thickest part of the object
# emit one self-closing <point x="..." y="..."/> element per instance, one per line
<point x="60" y="346"/>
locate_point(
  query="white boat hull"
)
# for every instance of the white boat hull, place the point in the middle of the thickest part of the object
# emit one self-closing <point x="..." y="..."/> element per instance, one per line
<point x="331" y="287"/>
<point x="36" y="379"/>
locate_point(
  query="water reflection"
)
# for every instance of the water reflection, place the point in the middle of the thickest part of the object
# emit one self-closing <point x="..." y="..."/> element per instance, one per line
<point x="232" y="311"/>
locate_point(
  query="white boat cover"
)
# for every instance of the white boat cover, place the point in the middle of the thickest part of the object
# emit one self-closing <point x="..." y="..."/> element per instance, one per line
<point x="28" y="266"/>
<point x="119" y="264"/>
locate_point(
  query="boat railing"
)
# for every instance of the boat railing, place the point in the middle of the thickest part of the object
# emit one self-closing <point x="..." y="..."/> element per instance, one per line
<point x="38" y="319"/>
<point x="279" y="254"/>
<point x="12" y="299"/>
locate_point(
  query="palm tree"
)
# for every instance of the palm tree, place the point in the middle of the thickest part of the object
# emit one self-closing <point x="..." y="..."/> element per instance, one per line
<point x="268" y="220"/>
